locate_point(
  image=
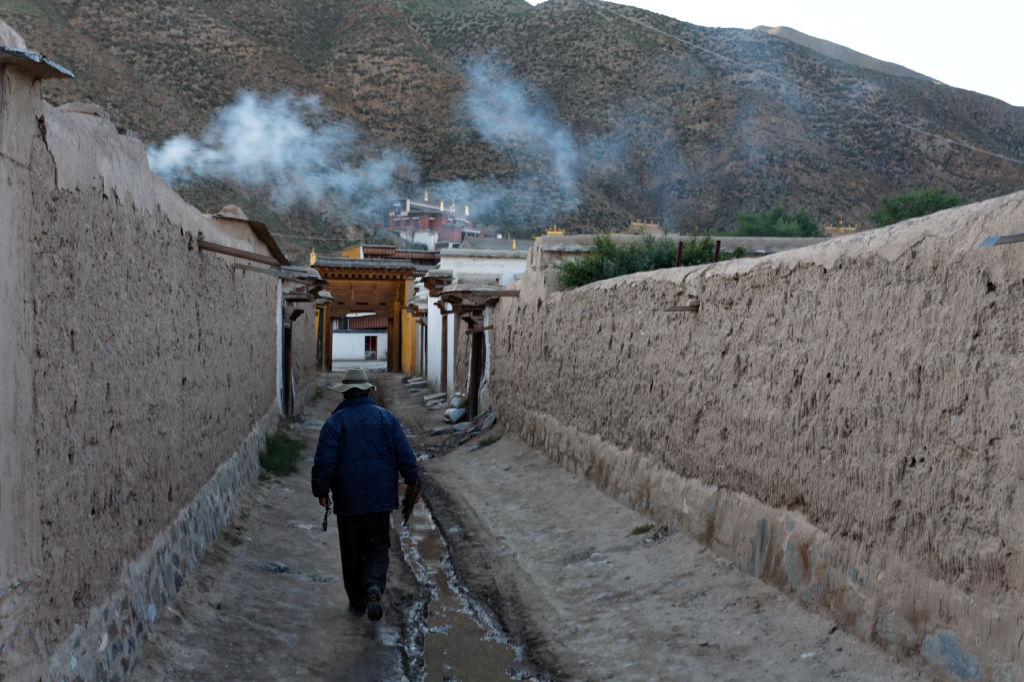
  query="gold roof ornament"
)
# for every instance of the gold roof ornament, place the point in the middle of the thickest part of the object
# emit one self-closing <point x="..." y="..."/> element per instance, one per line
<point x="312" y="256"/>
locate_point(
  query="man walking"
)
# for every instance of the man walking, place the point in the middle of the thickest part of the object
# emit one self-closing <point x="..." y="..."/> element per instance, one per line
<point x="361" y="451"/>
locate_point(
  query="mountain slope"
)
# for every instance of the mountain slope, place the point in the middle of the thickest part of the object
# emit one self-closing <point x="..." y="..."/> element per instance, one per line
<point x="669" y="120"/>
<point x="839" y="52"/>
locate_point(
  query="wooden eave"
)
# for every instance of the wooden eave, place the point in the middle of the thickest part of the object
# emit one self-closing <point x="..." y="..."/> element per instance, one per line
<point x="436" y="280"/>
<point x="475" y="297"/>
<point x="262" y="233"/>
<point x="355" y="273"/>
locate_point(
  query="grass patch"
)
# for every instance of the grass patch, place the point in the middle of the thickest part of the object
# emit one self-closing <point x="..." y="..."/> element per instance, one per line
<point x="281" y="456"/>
<point x="490" y="440"/>
<point x="640" y="530"/>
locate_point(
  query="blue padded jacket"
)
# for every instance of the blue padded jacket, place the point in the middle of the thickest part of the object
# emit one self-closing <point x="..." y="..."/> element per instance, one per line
<point x="362" y="449"/>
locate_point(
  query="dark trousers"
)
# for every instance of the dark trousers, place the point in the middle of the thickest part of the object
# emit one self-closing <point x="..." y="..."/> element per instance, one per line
<point x="365" y="540"/>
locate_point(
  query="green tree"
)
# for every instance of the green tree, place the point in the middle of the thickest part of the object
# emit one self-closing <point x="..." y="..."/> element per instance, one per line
<point x="776" y="222"/>
<point x="608" y="259"/>
<point x="893" y="208"/>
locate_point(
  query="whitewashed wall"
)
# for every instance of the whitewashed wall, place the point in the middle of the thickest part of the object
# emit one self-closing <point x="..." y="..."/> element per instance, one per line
<point x="506" y="266"/>
<point x="349" y="345"/>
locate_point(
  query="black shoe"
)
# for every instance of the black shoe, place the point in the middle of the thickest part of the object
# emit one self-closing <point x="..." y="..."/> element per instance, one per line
<point x="374" y="608"/>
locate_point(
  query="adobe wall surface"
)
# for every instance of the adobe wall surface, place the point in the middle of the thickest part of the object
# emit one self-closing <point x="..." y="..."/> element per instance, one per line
<point x="462" y="353"/>
<point x="843" y="420"/>
<point x="19" y="509"/>
<point x="144" y="381"/>
<point x="305" y="365"/>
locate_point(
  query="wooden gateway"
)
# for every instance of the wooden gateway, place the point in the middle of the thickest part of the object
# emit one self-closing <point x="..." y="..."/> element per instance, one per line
<point x="369" y="285"/>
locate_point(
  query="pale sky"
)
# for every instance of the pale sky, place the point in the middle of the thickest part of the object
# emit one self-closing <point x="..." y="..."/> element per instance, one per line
<point x="972" y="44"/>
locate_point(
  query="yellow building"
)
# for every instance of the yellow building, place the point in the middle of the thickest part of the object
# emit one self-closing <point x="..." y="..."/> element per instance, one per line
<point x="838" y="230"/>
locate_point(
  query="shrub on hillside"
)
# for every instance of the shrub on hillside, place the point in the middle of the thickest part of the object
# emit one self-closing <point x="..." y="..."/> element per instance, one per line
<point x="608" y="259"/>
<point x="894" y="208"/>
<point x="776" y="222"/>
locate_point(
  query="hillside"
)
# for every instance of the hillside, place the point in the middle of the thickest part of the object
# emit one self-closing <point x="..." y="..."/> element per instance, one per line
<point x="609" y="111"/>
<point x="840" y="52"/>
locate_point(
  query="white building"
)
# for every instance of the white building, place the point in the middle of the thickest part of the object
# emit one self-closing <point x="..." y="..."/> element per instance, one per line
<point x="359" y="336"/>
<point x="497" y="268"/>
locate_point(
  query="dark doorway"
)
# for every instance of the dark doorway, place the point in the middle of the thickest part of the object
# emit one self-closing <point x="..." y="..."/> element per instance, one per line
<point x="286" y="363"/>
<point x="476" y="373"/>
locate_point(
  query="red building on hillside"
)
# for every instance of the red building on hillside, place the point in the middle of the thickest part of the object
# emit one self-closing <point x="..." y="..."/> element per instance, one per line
<point x="449" y="222"/>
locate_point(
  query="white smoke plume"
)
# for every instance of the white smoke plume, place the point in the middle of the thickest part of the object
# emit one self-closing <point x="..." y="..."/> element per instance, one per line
<point x="278" y="145"/>
<point x="501" y="112"/>
<point x="274" y="145"/>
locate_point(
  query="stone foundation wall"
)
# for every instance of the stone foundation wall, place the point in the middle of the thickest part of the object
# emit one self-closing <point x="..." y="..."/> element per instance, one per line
<point x="140" y="365"/>
<point x="842" y="420"/>
<point x="108" y="644"/>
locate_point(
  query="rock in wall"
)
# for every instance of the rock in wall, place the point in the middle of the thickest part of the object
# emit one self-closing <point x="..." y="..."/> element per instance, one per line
<point x="842" y="419"/>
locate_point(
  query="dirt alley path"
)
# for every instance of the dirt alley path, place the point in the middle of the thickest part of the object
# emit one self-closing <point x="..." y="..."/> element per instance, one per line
<point x="266" y="601"/>
<point x="554" y="559"/>
<point x="557" y="560"/>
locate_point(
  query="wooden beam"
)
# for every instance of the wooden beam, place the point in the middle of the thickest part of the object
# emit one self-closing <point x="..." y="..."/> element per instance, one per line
<point x="479" y="329"/>
<point x="236" y="253"/>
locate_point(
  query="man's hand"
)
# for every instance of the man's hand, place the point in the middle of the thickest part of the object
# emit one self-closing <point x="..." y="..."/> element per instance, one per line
<point x="412" y="496"/>
<point x="325" y="502"/>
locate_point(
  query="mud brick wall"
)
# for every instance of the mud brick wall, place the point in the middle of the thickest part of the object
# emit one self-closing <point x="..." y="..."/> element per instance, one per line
<point x="304" y="357"/>
<point x="844" y="420"/>
<point x="140" y="378"/>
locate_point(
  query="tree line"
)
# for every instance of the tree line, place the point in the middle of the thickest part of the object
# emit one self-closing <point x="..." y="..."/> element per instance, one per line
<point x="891" y="208"/>
<point x="610" y="259"/>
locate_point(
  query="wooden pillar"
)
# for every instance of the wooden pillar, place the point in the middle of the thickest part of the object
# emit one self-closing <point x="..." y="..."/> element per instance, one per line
<point x="424" y="358"/>
<point x="395" y="340"/>
<point x="328" y="358"/>
<point x="394" y="353"/>
<point x="321" y="315"/>
<point x="456" y="340"/>
<point x="444" y="348"/>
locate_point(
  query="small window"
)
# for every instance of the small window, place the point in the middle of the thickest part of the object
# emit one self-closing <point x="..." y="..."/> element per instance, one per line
<point x="370" y="347"/>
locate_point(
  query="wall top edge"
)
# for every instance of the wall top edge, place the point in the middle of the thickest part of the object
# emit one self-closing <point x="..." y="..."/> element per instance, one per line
<point x="33" y="63"/>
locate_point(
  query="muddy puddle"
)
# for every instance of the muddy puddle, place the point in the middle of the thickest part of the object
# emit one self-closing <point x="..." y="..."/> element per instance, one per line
<point x="460" y="639"/>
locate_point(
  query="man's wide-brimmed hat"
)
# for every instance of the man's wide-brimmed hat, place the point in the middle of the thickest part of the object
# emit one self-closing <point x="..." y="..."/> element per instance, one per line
<point x="354" y="378"/>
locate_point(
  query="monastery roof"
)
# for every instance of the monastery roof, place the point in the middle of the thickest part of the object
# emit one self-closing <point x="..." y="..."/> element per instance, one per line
<point x="366" y="263"/>
<point x="491" y="244"/>
<point x="755" y="245"/>
<point x="484" y="253"/>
